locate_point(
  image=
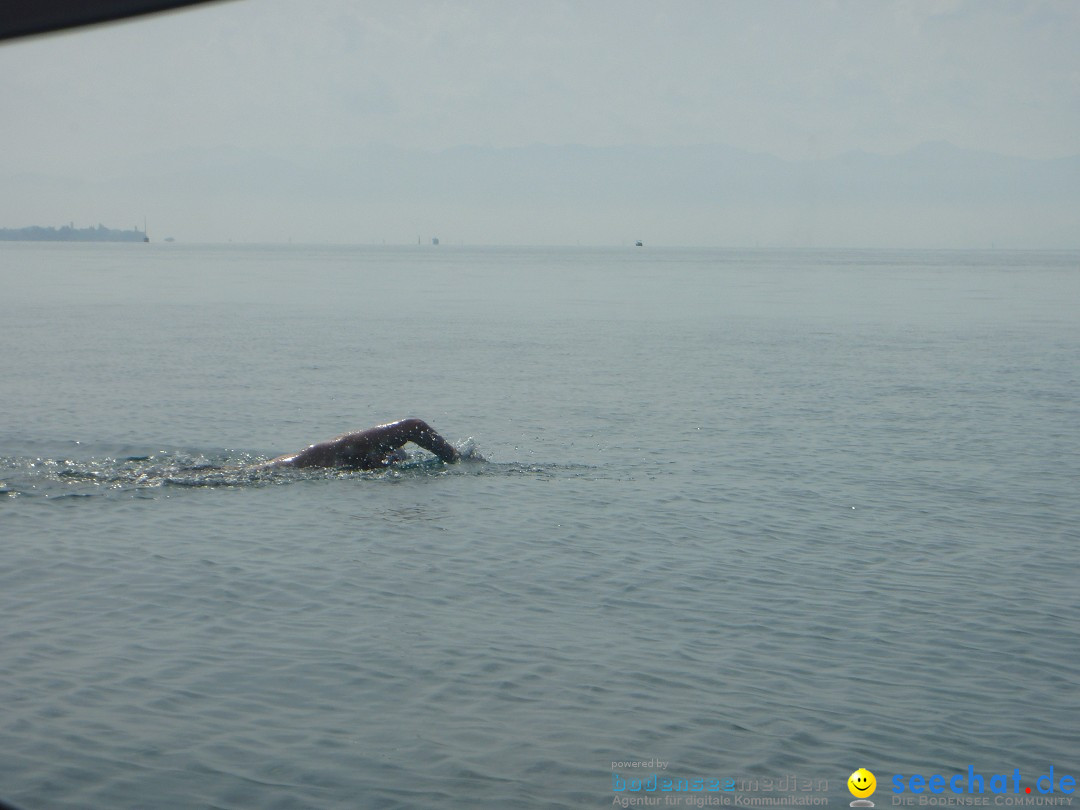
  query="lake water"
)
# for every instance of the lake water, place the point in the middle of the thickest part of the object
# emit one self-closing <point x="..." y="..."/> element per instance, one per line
<point x="761" y="515"/>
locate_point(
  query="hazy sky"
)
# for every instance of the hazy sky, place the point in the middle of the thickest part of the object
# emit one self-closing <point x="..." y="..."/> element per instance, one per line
<point x="807" y="79"/>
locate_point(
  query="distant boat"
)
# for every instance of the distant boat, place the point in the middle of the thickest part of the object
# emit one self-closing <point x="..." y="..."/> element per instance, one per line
<point x="638" y="243"/>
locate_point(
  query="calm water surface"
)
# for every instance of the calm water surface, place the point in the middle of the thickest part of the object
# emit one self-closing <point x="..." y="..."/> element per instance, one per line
<point x="756" y="514"/>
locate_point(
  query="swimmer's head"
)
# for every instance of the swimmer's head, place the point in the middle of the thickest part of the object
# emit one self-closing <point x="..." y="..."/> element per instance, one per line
<point x="398" y="456"/>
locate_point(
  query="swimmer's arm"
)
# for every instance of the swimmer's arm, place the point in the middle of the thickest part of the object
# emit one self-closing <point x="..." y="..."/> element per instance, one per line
<point x="391" y="437"/>
<point x="369" y="449"/>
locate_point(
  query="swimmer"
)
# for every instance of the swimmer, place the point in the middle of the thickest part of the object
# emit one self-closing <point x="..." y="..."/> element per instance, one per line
<point x="370" y="449"/>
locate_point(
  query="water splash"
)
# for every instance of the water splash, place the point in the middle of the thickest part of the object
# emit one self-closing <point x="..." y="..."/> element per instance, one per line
<point x="145" y="475"/>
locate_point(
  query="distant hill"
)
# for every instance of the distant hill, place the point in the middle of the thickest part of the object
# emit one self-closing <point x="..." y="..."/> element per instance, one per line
<point x="69" y="233"/>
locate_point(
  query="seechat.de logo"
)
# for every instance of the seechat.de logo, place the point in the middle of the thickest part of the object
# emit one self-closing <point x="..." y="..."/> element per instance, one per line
<point x="973" y="782"/>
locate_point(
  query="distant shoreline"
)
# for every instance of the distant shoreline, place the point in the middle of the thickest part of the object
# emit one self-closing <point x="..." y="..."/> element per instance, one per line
<point x="69" y="233"/>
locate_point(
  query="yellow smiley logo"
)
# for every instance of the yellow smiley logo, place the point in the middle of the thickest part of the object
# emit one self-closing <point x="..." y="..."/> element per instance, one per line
<point x="862" y="783"/>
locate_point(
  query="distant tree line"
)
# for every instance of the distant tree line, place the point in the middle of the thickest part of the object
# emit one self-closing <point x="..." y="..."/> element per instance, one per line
<point x="69" y="233"/>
